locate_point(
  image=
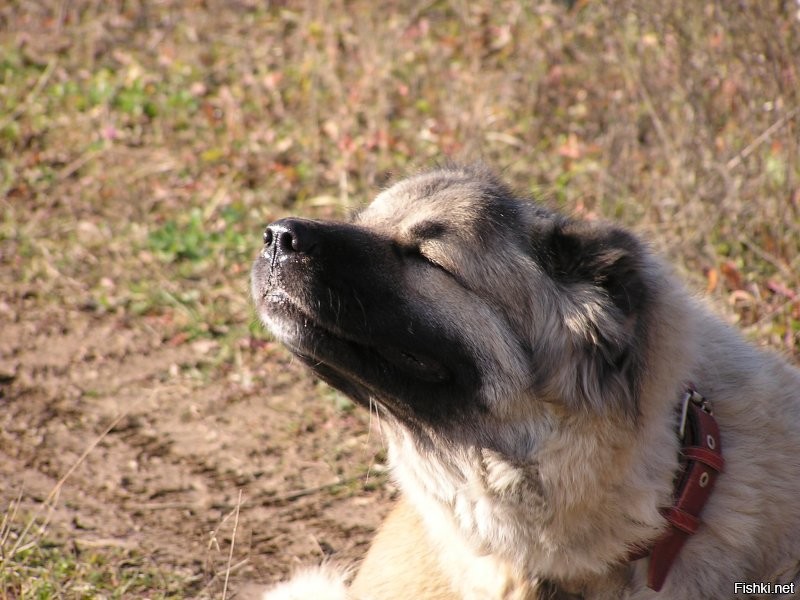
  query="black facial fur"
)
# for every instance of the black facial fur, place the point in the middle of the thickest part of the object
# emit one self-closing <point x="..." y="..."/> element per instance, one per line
<point x="336" y="289"/>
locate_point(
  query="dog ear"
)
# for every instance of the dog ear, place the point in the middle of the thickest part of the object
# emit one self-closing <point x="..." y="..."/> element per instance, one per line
<point x="601" y="271"/>
<point x="609" y="258"/>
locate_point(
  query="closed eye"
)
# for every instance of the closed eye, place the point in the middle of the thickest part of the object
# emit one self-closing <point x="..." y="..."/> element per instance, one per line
<point x="414" y="252"/>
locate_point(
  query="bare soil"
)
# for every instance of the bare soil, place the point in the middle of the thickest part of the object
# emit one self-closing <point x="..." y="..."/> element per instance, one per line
<point x="168" y="456"/>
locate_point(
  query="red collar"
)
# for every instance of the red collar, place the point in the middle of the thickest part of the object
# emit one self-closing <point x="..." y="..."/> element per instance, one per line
<point x="701" y="459"/>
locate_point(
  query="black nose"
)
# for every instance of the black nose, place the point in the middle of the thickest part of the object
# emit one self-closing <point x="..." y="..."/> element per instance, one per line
<point x="290" y="236"/>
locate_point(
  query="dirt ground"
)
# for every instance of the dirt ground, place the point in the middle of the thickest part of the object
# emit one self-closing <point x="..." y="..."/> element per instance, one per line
<point x="153" y="461"/>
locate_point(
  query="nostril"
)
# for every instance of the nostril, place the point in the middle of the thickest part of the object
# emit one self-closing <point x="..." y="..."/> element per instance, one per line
<point x="291" y="236"/>
<point x="287" y="241"/>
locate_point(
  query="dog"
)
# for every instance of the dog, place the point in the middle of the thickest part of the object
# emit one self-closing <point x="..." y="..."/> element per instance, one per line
<point x="564" y="419"/>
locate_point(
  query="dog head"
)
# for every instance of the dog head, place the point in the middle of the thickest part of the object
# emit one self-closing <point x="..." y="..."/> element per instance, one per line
<point x="449" y="298"/>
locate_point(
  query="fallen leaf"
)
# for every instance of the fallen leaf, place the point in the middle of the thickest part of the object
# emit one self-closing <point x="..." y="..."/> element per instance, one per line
<point x="733" y="276"/>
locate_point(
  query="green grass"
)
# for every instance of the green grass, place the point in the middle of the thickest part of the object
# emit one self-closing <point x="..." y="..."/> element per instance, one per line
<point x="53" y="571"/>
<point x="42" y="568"/>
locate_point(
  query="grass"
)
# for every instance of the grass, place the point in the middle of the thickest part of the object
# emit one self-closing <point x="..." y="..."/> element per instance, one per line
<point x="143" y="146"/>
<point x="58" y="569"/>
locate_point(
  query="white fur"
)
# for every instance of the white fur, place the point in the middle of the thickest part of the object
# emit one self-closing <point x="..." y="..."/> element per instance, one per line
<point x="321" y="583"/>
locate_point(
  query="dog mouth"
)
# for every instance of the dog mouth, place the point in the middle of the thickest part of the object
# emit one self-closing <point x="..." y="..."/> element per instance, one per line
<point x="319" y="343"/>
<point x="418" y="365"/>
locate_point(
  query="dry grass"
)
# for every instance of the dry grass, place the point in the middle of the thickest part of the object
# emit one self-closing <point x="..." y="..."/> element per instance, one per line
<point x="124" y="125"/>
<point x="144" y="144"/>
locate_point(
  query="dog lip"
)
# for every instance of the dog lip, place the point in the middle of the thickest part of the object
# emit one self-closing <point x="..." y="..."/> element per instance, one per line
<point x="277" y="302"/>
<point x="408" y="362"/>
<point x="418" y="365"/>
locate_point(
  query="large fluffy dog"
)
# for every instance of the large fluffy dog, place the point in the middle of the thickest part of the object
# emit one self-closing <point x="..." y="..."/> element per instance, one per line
<point x="532" y="374"/>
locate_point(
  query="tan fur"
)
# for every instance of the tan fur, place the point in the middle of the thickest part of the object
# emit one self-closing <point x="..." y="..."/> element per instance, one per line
<point x="401" y="552"/>
<point x="544" y="493"/>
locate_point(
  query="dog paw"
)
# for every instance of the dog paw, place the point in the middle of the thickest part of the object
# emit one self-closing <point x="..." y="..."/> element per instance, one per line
<point x="321" y="583"/>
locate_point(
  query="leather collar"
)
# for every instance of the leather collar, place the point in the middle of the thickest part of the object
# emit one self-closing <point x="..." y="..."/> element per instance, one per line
<point x="701" y="462"/>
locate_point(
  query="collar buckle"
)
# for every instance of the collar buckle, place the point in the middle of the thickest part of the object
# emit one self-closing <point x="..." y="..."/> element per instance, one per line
<point x="696" y="398"/>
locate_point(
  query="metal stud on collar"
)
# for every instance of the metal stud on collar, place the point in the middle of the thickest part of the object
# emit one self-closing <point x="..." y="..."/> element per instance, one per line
<point x="698" y="399"/>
